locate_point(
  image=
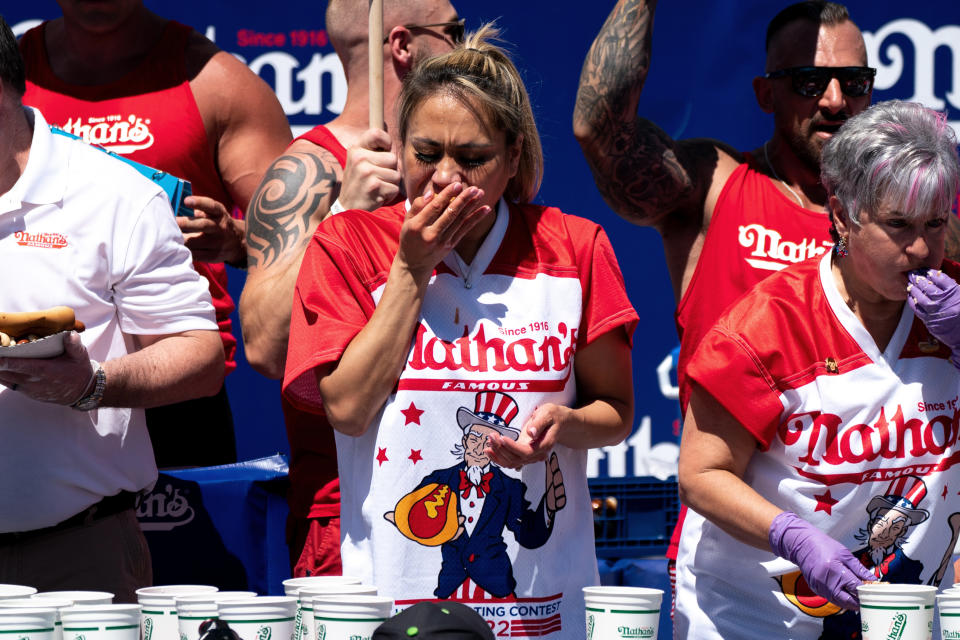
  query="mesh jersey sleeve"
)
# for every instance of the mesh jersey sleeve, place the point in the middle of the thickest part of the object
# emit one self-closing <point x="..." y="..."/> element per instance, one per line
<point x="331" y="304"/>
<point x="605" y="302"/>
<point x="727" y="367"/>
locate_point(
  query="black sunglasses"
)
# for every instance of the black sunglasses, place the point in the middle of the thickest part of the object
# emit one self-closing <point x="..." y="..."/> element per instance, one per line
<point x="453" y="29"/>
<point x="811" y="82"/>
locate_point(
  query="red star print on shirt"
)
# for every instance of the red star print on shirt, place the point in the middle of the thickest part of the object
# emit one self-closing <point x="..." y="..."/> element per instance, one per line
<point x="825" y="502"/>
<point x="415" y="455"/>
<point x="382" y="455"/>
<point x="411" y="414"/>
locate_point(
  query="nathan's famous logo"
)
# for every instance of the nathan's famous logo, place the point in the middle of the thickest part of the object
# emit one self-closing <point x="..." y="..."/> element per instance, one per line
<point x="113" y="132"/>
<point x="163" y="509"/>
<point x="264" y="632"/>
<point x="321" y="631"/>
<point x="885" y="50"/>
<point x="636" y="632"/>
<point x="40" y="240"/>
<point x="897" y="626"/>
<point x="772" y="252"/>
<point x="147" y="628"/>
<point x="828" y="440"/>
<point x="480" y="353"/>
<point x="949" y="635"/>
<point x="591" y="622"/>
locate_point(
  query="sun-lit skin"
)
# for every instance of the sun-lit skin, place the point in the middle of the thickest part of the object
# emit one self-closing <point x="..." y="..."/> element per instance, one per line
<point x="805" y="124"/>
<point x="446" y="143"/>
<point x="884" y="248"/>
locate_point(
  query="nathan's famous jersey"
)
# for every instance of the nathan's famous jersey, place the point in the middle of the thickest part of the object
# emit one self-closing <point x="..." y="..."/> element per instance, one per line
<point x="859" y="442"/>
<point x="424" y="515"/>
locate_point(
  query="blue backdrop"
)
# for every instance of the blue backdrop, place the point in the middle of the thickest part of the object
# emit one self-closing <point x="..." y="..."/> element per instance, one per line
<point x="705" y="55"/>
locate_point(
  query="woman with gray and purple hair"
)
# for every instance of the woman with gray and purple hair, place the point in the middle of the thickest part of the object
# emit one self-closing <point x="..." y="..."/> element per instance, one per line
<point x="823" y="420"/>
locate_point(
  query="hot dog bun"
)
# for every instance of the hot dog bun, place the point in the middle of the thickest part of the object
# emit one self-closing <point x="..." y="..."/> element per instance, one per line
<point x="39" y="323"/>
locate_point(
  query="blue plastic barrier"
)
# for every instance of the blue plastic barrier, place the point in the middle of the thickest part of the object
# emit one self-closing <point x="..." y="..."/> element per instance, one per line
<point x="220" y="525"/>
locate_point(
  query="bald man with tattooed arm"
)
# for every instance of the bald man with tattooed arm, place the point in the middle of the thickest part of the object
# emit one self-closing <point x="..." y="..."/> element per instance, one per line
<point x="315" y="178"/>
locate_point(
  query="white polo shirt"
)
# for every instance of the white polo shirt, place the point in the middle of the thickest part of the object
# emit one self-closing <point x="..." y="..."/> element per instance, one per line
<point x="83" y="229"/>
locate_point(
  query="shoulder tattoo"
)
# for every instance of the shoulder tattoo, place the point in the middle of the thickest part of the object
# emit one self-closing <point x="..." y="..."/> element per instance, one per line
<point x="279" y="216"/>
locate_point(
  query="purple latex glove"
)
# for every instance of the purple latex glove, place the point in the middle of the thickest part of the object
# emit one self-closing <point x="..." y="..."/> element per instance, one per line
<point x="935" y="299"/>
<point x="829" y="567"/>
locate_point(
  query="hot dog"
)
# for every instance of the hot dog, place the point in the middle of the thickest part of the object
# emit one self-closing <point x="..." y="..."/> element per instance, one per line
<point x="24" y="325"/>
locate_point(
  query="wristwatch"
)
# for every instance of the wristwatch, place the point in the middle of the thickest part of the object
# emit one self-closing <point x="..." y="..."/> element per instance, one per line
<point x="92" y="400"/>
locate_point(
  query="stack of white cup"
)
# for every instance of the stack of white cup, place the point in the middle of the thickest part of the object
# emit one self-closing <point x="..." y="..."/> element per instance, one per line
<point x="349" y="616"/>
<point x="260" y="617"/>
<point x="28" y="623"/>
<point x="160" y="609"/>
<point x="44" y="603"/>
<point x="101" y="622"/>
<point x="291" y="587"/>
<point x="193" y="609"/>
<point x="903" y="610"/>
<point x="622" y="612"/>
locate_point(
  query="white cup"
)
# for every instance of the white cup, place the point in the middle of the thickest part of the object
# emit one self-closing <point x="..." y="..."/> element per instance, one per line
<point x="160" y="609"/>
<point x="260" y="618"/>
<point x="292" y="586"/>
<point x="305" y="597"/>
<point x="101" y="622"/>
<point x="28" y="623"/>
<point x="349" y="616"/>
<point x="78" y="597"/>
<point x="15" y="591"/>
<point x="904" y="610"/>
<point x="195" y="608"/>
<point x="622" y="612"/>
<point x="948" y="609"/>
<point x="43" y="603"/>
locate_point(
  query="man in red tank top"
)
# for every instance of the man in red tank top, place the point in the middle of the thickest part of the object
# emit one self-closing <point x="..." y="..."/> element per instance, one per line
<point x="316" y="177"/>
<point x="741" y="216"/>
<point x="162" y="94"/>
<point x="728" y="219"/>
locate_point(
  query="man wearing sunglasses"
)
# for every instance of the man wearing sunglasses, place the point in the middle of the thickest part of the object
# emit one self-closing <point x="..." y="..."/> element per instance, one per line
<point x="714" y="205"/>
<point x="316" y="177"/>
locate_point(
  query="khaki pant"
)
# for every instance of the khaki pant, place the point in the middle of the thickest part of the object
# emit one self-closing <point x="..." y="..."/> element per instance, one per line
<point x="110" y="554"/>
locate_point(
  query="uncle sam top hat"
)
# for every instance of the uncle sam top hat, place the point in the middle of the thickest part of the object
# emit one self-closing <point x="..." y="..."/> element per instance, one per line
<point x="493" y="409"/>
<point x="905" y="495"/>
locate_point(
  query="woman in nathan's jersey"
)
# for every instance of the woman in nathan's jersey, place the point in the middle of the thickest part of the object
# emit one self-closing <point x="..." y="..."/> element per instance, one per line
<point x="468" y="348"/>
<point x="824" y="404"/>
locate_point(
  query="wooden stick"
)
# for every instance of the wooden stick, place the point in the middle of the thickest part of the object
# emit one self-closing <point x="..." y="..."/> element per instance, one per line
<point x="375" y="46"/>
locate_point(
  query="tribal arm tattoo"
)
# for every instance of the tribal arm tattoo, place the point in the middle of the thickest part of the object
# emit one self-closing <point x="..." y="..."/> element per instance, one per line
<point x="637" y="167"/>
<point x="288" y="199"/>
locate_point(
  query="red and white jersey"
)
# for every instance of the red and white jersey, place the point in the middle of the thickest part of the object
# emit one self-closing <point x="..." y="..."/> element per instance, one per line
<point x="859" y="442"/>
<point x="496" y="339"/>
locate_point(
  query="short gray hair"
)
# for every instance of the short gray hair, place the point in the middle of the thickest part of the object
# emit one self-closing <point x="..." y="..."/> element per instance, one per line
<point x="897" y="153"/>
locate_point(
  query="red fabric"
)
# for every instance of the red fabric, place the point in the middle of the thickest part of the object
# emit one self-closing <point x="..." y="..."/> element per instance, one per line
<point x="324" y="138"/>
<point x="351" y="254"/>
<point x="791" y="304"/>
<point x="319" y="542"/>
<point x="466" y="486"/>
<point x="314" y="484"/>
<point x="755" y="230"/>
<point x="150" y="116"/>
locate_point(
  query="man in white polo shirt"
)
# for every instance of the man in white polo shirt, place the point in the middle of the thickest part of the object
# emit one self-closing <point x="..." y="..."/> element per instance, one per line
<point x="82" y="229"/>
